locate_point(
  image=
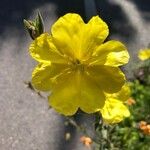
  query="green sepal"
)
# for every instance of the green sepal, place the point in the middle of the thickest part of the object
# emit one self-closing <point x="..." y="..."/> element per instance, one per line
<point x="35" y="28"/>
<point x="39" y="24"/>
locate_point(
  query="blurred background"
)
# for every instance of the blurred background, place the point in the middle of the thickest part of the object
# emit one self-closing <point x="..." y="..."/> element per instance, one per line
<point x="26" y="123"/>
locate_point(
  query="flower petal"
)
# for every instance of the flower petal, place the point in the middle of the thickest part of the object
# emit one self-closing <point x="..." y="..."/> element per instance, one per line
<point x="110" y="79"/>
<point x="64" y="97"/>
<point x="114" y="111"/>
<point x="43" y="50"/>
<point x="123" y="94"/>
<point x="76" y="90"/>
<point x="94" y="33"/>
<point x="111" y="53"/>
<point x="66" y="34"/>
<point x="45" y="75"/>
<point x="71" y="38"/>
<point x="92" y="97"/>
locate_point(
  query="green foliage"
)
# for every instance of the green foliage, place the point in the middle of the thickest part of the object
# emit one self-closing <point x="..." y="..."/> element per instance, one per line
<point x="127" y="135"/>
<point x="141" y="93"/>
<point x="142" y="72"/>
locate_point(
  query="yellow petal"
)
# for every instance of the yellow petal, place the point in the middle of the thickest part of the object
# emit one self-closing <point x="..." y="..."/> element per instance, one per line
<point x="76" y="90"/>
<point x="111" y="53"/>
<point x="75" y="38"/>
<point x="123" y="94"/>
<point x="110" y="79"/>
<point x="114" y="111"/>
<point x="64" y="97"/>
<point x="45" y="75"/>
<point x="66" y="34"/>
<point x="92" y="97"/>
<point x="144" y="54"/>
<point x="43" y="50"/>
<point x="94" y="33"/>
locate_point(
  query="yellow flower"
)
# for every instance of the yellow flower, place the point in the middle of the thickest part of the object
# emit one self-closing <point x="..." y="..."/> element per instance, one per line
<point x="123" y="94"/>
<point x="76" y="66"/>
<point x="114" y="110"/>
<point x="144" y="54"/>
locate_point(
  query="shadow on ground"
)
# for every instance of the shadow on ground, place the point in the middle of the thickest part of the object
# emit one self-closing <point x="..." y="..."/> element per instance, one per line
<point x="13" y="12"/>
<point x="144" y="8"/>
<point x="116" y="20"/>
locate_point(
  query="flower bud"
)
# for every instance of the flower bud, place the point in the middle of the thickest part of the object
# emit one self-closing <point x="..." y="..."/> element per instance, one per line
<point x="34" y="28"/>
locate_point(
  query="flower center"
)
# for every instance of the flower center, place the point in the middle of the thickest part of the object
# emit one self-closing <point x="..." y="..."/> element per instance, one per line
<point x="77" y="62"/>
<point x="78" y="65"/>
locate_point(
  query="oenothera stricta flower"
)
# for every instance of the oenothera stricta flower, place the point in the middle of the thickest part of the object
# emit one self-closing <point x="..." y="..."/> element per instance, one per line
<point x="144" y="54"/>
<point x="76" y="66"/>
<point x="114" y="109"/>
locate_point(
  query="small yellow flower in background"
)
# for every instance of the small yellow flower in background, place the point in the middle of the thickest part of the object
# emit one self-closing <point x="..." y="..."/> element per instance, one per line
<point x="114" y="110"/>
<point x="87" y="141"/>
<point x="144" y="54"/>
<point x="76" y="66"/>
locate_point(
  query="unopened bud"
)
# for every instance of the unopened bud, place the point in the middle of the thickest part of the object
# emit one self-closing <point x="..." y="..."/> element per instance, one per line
<point x="35" y="28"/>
